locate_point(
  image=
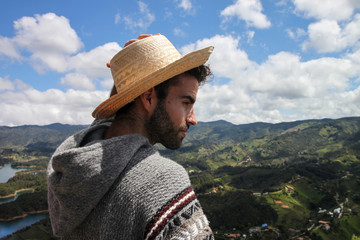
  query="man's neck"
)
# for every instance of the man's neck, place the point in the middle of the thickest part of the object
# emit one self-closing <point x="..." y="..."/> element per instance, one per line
<point x="124" y="125"/>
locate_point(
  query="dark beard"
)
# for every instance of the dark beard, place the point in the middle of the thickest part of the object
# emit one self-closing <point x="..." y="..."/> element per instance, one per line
<point x="161" y="129"/>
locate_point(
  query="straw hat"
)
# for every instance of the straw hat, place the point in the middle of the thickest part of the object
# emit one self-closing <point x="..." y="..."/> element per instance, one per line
<point x="143" y="65"/>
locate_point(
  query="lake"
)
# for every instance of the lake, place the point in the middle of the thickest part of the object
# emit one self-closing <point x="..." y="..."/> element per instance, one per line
<point x="11" y="199"/>
<point x="8" y="172"/>
<point x="7" y="228"/>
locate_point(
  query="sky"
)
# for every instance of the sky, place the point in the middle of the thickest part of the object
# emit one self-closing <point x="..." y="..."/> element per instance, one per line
<point x="274" y="60"/>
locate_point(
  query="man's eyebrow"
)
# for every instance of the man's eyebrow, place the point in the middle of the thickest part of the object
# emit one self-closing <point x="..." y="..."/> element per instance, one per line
<point x="190" y="98"/>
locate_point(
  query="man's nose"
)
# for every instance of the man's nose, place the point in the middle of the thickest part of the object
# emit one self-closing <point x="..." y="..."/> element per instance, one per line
<point x="191" y="118"/>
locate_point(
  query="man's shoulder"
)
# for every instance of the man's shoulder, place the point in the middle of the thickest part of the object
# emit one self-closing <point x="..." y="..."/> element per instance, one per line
<point x="158" y="169"/>
<point x="160" y="162"/>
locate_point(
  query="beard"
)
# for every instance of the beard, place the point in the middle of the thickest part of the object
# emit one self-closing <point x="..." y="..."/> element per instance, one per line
<point x="161" y="128"/>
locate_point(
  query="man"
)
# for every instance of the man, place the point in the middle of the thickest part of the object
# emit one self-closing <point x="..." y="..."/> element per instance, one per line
<point x="108" y="181"/>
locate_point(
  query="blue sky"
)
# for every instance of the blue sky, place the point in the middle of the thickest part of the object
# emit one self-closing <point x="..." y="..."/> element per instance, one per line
<point x="274" y="60"/>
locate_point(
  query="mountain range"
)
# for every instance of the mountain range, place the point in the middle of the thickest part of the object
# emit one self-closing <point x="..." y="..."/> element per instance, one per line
<point x="247" y="175"/>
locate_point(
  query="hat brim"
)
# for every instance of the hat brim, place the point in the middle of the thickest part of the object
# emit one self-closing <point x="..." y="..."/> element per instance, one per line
<point x="189" y="61"/>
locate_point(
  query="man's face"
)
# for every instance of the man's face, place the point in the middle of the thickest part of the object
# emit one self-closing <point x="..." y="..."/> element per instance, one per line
<point x="175" y="114"/>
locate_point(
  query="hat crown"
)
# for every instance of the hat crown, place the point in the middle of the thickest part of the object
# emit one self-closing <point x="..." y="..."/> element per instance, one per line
<point x="140" y="59"/>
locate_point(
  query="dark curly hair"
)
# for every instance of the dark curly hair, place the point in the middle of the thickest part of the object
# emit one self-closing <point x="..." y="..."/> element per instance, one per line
<point x="201" y="73"/>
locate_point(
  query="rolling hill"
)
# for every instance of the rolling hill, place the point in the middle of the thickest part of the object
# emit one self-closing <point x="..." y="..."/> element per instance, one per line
<point x="298" y="178"/>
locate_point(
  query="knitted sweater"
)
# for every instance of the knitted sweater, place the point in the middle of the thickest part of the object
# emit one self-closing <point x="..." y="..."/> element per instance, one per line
<point x="120" y="188"/>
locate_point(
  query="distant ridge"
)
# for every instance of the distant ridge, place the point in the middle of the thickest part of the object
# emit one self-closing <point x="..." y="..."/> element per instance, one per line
<point x="21" y="136"/>
<point x="269" y="143"/>
<point x="205" y="133"/>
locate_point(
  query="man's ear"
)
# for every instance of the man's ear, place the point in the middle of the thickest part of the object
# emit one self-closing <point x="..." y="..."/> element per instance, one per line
<point x="149" y="100"/>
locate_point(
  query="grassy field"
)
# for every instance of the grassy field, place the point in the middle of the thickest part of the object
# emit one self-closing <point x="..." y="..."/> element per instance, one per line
<point x="291" y="212"/>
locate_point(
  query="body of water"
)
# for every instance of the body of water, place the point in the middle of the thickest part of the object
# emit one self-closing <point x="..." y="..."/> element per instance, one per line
<point x="11" y="199"/>
<point x="8" y="172"/>
<point x="7" y="228"/>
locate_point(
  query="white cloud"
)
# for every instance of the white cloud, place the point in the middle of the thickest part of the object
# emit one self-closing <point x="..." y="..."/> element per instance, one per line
<point x="44" y="107"/>
<point x="290" y="33"/>
<point x="227" y="60"/>
<point x="117" y="18"/>
<point x="283" y="88"/>
<point x="21" y="86"/>
<point x="185" y="4"/>
<point x="6" y="84"/>
<point x="250" y="36"/>
<point x="296" y="35"/>
<point x="78" y="81"/>
<point x="49" y="38"/>
<point x="248" y="10"/>
<point x="54" y="46"/>
<point x="223" y="102"/>
<point x="88" y="67"/>
<point x="284" y="75"/>
<point x="327" y="9"/>
<point x="107" y="83"/>
<point x="178" y="32"/>
<point x="142" y="20"/>
<point x="22" y="104"/>
<point x="93" y="63"/>
<point x="47" y="33"/>
<point x="8" y="48"/>
<point x="281" y="3"/>
<point x="329" y="36"/>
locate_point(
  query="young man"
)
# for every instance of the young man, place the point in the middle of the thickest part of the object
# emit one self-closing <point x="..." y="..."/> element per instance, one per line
<point x="108" y="181"/>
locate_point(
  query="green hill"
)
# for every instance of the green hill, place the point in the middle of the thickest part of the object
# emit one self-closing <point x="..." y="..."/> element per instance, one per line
<point x="49" y="135"/>
<point x="273" y="181"/>
<point x="212" y="145"/>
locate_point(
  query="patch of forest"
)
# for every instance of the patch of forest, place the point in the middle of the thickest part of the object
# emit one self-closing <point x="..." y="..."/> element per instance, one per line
<point x="298" y="179"/>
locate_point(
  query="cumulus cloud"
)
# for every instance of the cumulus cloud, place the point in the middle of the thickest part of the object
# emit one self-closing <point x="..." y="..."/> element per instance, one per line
<point x="44" y="107"/>
<point x="93" y="63"/>
<point x="8" y="48"/>
<point x="46" y="33"/>
<point x="248" y="10"/>
<point x="142" y="20"/>
<point x="283" y="88"/>
<point x="49" y="43"/>
<point x="6" y="84"/>
<point x="327" y="9"/>
<point x="87" y="68"/>
<point x="54" y="46"/>
<point x="329" y="36"/>
<point x="227" y="60"/>
<point x="49" y="39"/>
<point x="78" y="81"/>
<point x="284" y="76"/>
<point x="336" y="28"/>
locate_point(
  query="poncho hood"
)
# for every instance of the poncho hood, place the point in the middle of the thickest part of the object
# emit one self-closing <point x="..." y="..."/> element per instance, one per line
<point x="83" y="169"/>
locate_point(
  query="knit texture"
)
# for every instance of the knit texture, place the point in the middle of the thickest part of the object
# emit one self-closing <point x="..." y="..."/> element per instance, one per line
<point x="120" y="188"/>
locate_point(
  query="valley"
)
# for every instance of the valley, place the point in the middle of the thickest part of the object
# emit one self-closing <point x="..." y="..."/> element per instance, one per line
<point x="295" y="180"/>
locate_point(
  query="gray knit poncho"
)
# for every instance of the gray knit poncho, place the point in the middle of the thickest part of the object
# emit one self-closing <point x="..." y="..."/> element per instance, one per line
<point x="120" y="188"/>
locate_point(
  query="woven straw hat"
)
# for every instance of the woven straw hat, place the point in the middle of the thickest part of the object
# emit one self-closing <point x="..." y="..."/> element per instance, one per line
<point x="143" y="65"/>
